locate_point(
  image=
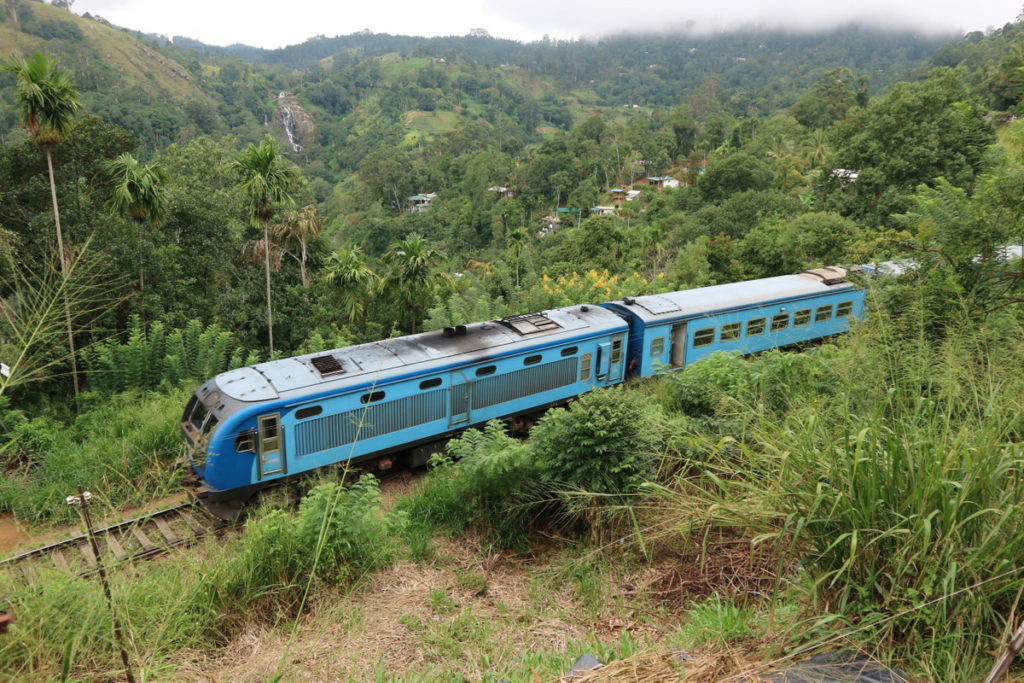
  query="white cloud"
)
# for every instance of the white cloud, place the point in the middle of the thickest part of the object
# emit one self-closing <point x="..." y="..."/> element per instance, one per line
<point x="275" y="24"/>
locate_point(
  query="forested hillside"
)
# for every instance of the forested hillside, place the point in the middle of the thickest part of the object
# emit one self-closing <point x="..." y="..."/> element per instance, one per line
<point x="367" y="186"/>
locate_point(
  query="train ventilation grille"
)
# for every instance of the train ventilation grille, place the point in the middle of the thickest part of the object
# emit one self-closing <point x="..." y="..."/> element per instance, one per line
<point x="529" y="323"/>
<point x="327" y="365"/>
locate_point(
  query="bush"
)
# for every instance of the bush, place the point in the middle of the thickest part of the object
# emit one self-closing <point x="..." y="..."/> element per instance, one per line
<point x="602" y="443"/>
<point x="339" y="534"/>
<point x="487" y="479"/>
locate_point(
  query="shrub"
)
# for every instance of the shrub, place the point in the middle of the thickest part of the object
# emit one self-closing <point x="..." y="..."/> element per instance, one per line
<point x="601" y="443"/>
<point x="339" y="534"/>
<point x="487" y="478"/>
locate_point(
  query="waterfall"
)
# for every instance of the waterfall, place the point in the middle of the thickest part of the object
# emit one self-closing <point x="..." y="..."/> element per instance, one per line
<point x="289" y="122"/>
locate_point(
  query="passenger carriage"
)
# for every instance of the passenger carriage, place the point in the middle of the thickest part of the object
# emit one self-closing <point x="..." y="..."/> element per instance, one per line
<point x="673" y="330"/>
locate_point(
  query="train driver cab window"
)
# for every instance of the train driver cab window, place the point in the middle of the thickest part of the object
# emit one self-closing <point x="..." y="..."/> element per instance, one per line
<point x="704" y="337"/>
<point x="730" y="331"/>
<point x="657" y="347"/>
<point x="270" y="434"/>
<point x="780" y="321"/>
<point x="245" y="442"/>
<point x="844" y="309"/>
<point x="755" y="327"/>
<point x="823" y="313"/>
<point x="802" y="317"/>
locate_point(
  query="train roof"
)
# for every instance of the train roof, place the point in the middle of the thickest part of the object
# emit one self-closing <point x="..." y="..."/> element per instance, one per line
<point x="655" y="308"/>
<point x="384" y="360"/>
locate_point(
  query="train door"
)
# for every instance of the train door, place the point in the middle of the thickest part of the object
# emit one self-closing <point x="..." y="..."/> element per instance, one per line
<point x="615" y="362"/>
<point x="604" y="357"/>
<point x="678" y="352"/>
<point x="461" y="392"/>
<point x="271" y="455"/>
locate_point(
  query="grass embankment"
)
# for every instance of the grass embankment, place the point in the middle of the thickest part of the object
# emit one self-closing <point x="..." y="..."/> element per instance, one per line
<point x="864" y="495"/>
<point x="122" y="451"/>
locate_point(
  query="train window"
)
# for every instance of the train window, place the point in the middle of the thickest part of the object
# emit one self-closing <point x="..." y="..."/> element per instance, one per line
<point x="616" y="351"/>
<point x="569" y="351"/>
<point x="823" y="313"/>
<point x="730" y="331"/>
<point x="802" y="317"/>
<point x="780" y="321"/>
<point x="310" y="411"/>
<point x="245" y="442"/>
<point x="704" y="337"/>
<point x="844" y="309"/>
<point x="430" y="383"/>
<point x="270" y="435"/>
<point x="485" y="370"/>
<point x="211" y="422"/>
<point x="755" y="327"/>
<point x="371" y="397"/>
<point x="657" y="347"/>
<point x="585" y="367"/>
<point x="532" y="360"/>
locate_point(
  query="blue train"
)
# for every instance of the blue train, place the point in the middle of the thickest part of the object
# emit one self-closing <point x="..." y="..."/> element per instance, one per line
<point x="250" y="428"/>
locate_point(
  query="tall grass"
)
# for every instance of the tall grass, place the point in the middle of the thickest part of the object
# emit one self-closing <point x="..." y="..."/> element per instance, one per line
<point x="899" y="490"/>
<point x="122" y="450"/>
<point x="198" y="598"/>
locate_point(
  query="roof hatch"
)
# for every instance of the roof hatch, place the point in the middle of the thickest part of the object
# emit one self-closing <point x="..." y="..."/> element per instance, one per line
<point x="529" y="323"/>
<point x="327" y="365"/>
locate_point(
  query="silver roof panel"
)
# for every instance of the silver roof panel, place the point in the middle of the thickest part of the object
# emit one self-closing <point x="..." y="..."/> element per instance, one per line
<point x="693" y="302"/>
<point x="382" y="360"/>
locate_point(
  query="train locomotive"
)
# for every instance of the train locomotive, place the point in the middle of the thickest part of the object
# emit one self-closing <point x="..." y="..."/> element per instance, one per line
<point x="254" y="427"/>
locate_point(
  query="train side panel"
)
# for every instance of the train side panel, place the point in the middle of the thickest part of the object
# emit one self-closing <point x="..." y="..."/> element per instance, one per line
<point x="277" y="439"/>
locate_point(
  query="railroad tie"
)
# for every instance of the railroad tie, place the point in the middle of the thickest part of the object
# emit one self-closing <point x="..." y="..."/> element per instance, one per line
<point x="115" y="546"/>
<point x="30" y="574"/>
<point x="147" y="545"/>
<point x="198" y="528"/>
<point x="59" y="561"/>
<point x="166" y="531"/>
<point x="87" y="553"/>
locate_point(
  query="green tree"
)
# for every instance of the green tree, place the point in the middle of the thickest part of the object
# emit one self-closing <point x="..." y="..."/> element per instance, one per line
<point x="138" y="194"/>
<point x="299" y="227"/>
<point x="916" y="133"/>
<point x="412" y="279"/>
<point x="47" y="104"/>
<point x="266" y="179"/>
<point x="347" y="273"/>
<point x="828" y="101"/>
<point x="736" y="173"/>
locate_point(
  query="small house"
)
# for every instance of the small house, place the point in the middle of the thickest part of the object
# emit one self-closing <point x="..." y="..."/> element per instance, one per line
<point x="502" y="191"/>
<point x="421" y="202"/>
<point x="602" y="210"/>
<point x="663" y="181"/>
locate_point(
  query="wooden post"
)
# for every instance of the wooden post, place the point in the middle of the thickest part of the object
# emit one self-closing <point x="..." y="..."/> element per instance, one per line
<point x="81" y="501"/>
<point x="1002" y="664"/>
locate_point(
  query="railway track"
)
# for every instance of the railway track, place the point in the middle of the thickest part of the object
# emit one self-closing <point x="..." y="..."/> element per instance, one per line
<point x="134" y="539"/>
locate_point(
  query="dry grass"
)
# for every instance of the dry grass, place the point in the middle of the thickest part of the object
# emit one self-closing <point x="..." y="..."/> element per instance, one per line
<point x="396" y="624"/>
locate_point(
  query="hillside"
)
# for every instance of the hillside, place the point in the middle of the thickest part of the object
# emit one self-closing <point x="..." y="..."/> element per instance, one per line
<point x="114" y="72"/>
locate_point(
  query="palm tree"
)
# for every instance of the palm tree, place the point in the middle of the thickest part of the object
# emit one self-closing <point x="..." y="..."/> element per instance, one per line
<point x="47" y="105"/>
<point x="139" y="195"/>
<point x="516" y="242"/>
<point x="302" y="227"/>
<point x="346" y="270"/>
<point x="412" y="276"/>
<point x="266" y="178"/>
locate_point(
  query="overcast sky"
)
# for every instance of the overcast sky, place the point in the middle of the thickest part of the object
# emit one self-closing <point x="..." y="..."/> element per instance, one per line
<point x="276" y="23"/>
